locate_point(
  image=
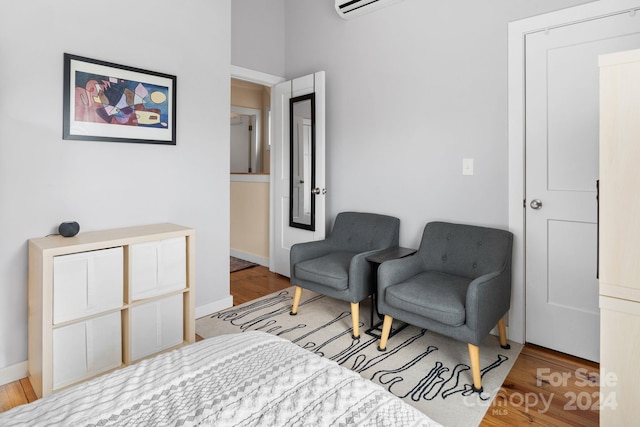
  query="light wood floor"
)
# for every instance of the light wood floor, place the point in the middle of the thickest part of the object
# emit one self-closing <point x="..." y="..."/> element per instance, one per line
<point x="544" y="388"/>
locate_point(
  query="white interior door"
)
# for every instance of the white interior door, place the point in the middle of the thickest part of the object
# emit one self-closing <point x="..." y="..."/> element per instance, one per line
<point x="284" y="235"/>
<point x="562" y="116"/>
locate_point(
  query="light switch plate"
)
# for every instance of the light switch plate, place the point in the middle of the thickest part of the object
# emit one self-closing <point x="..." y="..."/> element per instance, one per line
<point x="467" y="166"/>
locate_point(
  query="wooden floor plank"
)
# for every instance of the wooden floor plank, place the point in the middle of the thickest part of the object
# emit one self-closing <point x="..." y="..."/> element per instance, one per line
<point x="534" y="392"/>
<point x="29" y="393"/>
<point x="251" y="283"/>
<point x="543" y="388"/>
<point x="12" y="395"/>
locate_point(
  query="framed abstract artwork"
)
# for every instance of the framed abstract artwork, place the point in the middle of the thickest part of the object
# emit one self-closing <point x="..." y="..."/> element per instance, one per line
<point x="109" y="102"/>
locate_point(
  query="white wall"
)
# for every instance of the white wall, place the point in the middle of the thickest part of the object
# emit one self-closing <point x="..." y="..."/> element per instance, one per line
<point x="45" y="180"/>
<point x="412" y="89"/>
<point x="258" y="35"/>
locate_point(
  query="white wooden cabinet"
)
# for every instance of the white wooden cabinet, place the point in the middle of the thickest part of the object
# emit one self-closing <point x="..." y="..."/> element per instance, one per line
<point x="104" y="299"/>
<point x="619" y="238"/>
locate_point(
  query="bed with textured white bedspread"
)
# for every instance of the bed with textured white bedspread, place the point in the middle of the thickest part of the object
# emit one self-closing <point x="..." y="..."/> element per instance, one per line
<point x="247" y="379"/>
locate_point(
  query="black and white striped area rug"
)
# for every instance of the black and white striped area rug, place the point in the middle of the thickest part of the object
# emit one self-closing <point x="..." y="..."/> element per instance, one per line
<point x="427" y="370"/>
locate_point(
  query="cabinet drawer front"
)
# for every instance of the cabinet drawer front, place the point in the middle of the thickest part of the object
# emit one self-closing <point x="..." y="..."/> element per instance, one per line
<point x="87" y="283"/>
<point x="156" y="326"/>
<point x="87" y="348"/>
<point x="158" y="268"/>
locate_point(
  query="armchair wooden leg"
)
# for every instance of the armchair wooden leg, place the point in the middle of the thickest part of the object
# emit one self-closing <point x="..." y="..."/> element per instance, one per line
<point x="355" y="319"/>
<point x="386" y="329"/>
<point x="474" y="356"/>
<point x="296" y="300"/>
<point x="502" y="330"/>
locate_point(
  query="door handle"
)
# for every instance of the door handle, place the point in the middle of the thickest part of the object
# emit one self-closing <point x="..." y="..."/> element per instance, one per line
<point x="536" y="204"/>
<point x="316" y="191"/>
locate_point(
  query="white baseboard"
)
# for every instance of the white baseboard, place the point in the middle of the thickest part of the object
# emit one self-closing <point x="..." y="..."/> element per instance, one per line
<point x="213" y="307"/>
<point x="250" y="257"/>
<point x="14" y="372"/>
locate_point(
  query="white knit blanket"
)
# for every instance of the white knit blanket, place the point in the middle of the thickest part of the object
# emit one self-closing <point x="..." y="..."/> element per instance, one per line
<point x="246" y="379"/>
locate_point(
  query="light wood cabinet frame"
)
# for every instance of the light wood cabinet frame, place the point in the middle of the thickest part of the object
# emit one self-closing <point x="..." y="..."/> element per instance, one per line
<point x="41" y="255"/>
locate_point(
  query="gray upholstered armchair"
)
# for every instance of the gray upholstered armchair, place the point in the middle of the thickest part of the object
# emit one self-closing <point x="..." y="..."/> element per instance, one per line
<point x="458" y="284"/>
<point x="337" y="266"/>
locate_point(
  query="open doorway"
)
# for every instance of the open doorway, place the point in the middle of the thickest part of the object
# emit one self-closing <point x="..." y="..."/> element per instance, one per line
<point x="250" y="107"/>
<point x="249" y="167"/>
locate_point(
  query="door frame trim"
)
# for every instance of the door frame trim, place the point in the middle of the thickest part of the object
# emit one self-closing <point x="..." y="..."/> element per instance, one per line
<point x="254" y="76"/>
<point x="517" y="31"/>
<point x="270" y="80"/>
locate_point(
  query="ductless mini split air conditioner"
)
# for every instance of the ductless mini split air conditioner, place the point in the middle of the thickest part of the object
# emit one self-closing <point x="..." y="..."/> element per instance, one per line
<point x="349" y="9"/>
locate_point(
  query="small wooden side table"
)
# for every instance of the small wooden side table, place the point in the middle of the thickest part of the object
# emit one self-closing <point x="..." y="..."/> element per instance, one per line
<point x="377" y="259"/>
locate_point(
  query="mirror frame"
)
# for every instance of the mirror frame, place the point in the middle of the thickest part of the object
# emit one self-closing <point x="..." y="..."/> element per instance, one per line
<point x="292" y="101"/>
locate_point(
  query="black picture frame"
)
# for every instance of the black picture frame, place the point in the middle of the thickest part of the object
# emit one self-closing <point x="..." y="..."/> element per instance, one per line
<point x="103" y="101"/>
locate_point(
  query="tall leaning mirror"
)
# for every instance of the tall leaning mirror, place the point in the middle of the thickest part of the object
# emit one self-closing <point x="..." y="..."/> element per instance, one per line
<point x="302" y="162"/>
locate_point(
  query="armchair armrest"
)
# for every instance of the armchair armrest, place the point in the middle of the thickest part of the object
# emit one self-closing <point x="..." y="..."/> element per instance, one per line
<point x="308" y="250"/>
<point x="360" y="275"/>
<point x="360" y="269"/>
<point x="488" y="299"/>
<point x="398" y="270"/>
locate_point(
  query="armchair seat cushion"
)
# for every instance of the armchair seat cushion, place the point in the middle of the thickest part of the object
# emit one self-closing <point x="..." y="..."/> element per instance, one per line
<point x="330" y="270"/>
<point x="432" y="295"/>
